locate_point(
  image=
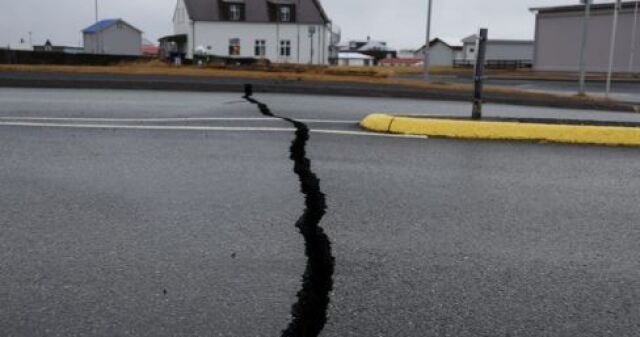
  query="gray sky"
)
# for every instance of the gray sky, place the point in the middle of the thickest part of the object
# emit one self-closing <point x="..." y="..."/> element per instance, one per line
<point x="400" y="22"/>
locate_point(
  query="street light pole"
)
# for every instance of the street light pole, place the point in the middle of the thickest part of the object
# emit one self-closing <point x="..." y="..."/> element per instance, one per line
<point x="583" y="46"/>
<point x="634" y="43"/>
<point x="614" y="32"/>
<point x="428" y="42"/>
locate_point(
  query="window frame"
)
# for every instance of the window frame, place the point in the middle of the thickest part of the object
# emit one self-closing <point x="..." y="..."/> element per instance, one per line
<point x="234" y="12"/>
<point x="285" y="48"/>
<point x="234" y="47"/>
<point x="260" y="48"/>
<point x="284" y="13"/>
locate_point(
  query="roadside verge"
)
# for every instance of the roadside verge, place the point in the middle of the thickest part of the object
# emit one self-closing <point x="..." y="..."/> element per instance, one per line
<point x="339" y="86"/>
<point x="504" y="130"/>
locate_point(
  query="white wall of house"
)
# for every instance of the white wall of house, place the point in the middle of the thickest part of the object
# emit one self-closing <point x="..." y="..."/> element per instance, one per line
<point x="216" y="37"/>
<point x="119" y="39"/>
<point x="441" y="55"/>
<point x="181" y="22"/>
<point x="355" y="62"/>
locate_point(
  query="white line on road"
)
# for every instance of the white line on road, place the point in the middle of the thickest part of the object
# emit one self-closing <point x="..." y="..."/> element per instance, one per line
<point x="203" y="128"/>
<point x="174" y="119"/>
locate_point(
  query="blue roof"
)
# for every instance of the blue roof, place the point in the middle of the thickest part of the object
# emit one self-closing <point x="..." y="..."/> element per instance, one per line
<point x="100" y="26"/>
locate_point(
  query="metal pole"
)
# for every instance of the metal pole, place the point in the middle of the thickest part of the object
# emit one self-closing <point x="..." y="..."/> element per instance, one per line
<point x="614" y="32"/>
<point x="585" y="32"/>
<point x="634" y="43"/>
<point x="428" y="42"/>
<point x="479" y="73"/>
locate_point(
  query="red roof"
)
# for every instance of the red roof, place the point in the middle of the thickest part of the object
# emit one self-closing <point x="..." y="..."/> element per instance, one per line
<point x="150" y="50"/>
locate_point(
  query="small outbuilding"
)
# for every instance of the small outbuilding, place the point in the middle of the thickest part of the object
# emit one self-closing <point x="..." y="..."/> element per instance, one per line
<point x="112" y="37"/>
<point x="441" y="53"/>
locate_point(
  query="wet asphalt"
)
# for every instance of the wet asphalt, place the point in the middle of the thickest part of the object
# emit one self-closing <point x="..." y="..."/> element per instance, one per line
<point x="116" y="232"/>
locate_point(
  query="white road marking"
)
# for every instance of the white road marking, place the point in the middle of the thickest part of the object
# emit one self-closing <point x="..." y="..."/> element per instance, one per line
<point x="203" y="128"/>
<point x="177" y="119"/>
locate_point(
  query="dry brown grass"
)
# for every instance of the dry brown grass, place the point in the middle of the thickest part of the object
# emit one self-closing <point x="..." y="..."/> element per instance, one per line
<point x="380" y="76"/>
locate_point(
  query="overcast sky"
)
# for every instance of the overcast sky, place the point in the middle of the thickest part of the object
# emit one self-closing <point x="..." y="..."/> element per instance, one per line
<point x="400" y="22"/>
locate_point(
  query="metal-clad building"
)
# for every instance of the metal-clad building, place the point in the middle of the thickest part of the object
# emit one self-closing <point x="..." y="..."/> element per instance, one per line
<point x="499" y="49"/>
<point x="559" y="35"/>
<point x="112" y="37"/>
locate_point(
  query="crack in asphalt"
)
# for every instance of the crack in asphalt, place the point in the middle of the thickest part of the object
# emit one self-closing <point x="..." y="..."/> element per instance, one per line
<point x="309" y="313"/>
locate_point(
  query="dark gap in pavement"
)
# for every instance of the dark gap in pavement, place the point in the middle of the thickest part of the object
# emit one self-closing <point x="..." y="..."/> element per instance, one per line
<point x="309" y="313"/>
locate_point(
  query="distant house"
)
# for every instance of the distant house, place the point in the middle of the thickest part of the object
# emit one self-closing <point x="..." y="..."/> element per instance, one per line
<point x="441" y="53"/>
<point x="355" y="59"/>
<point x="112" y="37"/>
<point x="376" y="49"/>
<point x="51" y="48"/>
<point x="282" y="31"/>
<point x="149" y="48"/>
<point x="21" y="45"/>
<point x="499" y="51"/>
<point x="559" y="36"/>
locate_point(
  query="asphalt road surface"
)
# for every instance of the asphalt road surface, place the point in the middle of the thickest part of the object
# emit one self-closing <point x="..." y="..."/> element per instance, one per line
<point x="173" y="214"/>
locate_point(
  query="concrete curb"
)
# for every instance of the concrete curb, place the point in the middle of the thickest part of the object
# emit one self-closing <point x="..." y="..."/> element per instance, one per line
<point x="497" y="130"/>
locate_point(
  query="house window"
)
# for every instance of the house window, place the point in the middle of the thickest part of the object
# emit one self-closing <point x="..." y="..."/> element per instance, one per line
<point x="235" y="12"/>
<point x="261" y="48"/>
<point x="234" y="47"/>
<point x="285" y="14"/>
<point x="285" y="48"/>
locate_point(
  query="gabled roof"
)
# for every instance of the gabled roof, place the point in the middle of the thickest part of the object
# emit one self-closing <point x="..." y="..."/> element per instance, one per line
<point x="105" y="24"/>
<point x="307" y="11"/>
<point x="373" y="45"/>
<point x="437" y="40"/>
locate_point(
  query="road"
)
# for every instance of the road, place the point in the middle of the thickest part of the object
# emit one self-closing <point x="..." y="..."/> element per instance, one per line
<point x="172" y="214"/>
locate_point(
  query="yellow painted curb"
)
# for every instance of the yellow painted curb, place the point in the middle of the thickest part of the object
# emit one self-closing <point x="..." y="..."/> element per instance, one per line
<point x="556" y="133"/>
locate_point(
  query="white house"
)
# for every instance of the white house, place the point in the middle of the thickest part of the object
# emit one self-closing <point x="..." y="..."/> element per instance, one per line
<point x="353" y="59"/>
<point x="282" y="31"/>
<point x="112" y="37"/>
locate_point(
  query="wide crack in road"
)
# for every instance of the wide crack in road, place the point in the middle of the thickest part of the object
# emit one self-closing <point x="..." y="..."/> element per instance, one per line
<point x="309" y="313"/>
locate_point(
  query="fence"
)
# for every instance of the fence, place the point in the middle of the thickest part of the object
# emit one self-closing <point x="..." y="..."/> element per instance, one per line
<point x="29" y="57"/>
<point x="495" y="64"/>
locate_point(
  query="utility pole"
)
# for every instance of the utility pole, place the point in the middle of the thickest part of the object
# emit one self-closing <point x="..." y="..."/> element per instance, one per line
<point x="428" y="42"/>
<point x="98" y="47"/>
<point x="612" y="50"/>
<point x="583" y="46"/>
<point x="481" y="45"/>
<point x="312" y="32"/>
<point x="634" y="37"/>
